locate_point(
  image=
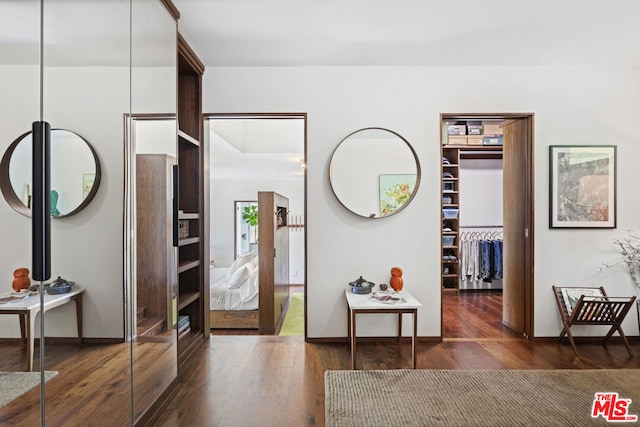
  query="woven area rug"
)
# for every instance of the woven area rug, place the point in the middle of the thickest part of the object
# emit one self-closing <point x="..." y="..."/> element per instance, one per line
<point x="474" y="398"/>
<point x="15" y="384"/>
<point x="293" y="324"/>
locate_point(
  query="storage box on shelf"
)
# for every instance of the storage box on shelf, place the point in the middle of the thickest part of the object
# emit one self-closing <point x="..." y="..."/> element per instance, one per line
<point x="457" y="140"/>
<point x="457" y="129"/>
<point x="492" y="128"/>
<point x="448" y="240"/>
<point x="492" y="140"/>
<point x="474" y="127"/>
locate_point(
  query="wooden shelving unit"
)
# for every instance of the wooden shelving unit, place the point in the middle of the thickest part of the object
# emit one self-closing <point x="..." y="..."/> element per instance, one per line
<point x="450" y="226"/>
<point x="192" y="289"/>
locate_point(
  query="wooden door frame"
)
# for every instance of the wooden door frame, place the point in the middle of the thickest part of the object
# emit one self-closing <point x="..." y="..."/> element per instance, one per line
<point x="298" y="115"/>
<point x="529" y="200"/>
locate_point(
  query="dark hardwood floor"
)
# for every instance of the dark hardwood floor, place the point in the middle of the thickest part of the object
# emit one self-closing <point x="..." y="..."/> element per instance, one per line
<point x="272" y="380"/>
<point x="474" y="315"/>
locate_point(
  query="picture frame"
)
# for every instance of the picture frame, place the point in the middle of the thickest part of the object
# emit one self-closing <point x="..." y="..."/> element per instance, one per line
<point x="88" y="180"/>
<point x="582" y="186"/>
<point x="395" y="191"/>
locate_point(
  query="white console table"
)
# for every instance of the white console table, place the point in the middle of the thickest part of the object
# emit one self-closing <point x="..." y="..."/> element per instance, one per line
<point x="363" y="303"/>
<point x="29" y="308"/>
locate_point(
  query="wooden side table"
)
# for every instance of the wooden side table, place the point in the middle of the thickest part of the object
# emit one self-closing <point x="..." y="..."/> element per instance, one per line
<point x="29" y="309"/>
<point x="357" y="304"/>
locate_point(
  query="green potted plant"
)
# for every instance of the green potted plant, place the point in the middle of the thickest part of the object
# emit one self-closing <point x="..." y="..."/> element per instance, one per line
<point x="250" y="216"/>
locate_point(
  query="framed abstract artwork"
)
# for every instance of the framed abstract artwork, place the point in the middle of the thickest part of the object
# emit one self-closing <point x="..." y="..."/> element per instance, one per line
<point x="582" y="186"/>
<point x="395" y="190"/>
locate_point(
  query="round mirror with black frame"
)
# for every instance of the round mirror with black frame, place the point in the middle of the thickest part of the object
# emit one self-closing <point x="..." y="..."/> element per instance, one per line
<point x="75" y="173"/>
<point x="374" y="172"/>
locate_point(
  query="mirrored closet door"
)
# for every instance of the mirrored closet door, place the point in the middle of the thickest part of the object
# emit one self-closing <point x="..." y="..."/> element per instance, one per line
<point x="84" y="68"/>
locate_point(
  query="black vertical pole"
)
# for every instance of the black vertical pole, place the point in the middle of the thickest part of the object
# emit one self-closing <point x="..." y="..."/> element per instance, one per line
<point x="41" y="211"/>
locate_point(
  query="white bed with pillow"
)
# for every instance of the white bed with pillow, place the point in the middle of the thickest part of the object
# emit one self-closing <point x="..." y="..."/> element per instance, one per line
<point x="234" y="294"/>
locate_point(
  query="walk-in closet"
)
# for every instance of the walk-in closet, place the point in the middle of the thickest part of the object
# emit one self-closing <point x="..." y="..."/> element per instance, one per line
<point x="476" y="197"/>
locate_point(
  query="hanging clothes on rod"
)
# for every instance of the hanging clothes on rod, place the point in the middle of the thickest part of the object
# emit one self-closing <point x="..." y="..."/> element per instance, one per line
<point x="481" y="253"/>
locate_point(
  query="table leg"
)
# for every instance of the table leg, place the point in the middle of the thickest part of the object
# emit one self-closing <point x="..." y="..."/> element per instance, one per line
<point x="352" y="316"/>
<point x="78" y="299"/>
<point x="31" y="322"/>
<point x="399" y="327"/>
<point x="23" y="334"/>
<point x="413" y="339"/>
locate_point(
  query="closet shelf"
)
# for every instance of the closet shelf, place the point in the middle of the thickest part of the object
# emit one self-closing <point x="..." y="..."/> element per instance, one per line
<point x="189" y="241"/>
<point x="187" y="298"/>
<point x="188" y="265"/>
<point x="188" y="215"/>
<point x="186" y="137"/>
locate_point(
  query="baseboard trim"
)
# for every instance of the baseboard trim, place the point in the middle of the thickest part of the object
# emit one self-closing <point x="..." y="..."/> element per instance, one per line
<point x="587" y="339"/>
<point x="71" y="340"/>
<point x="335" y="340"/>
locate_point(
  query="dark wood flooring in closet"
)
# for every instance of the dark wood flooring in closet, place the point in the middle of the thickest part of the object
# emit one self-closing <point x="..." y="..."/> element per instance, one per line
<point x="272" y="380"/>
<point x="474" y="314"/>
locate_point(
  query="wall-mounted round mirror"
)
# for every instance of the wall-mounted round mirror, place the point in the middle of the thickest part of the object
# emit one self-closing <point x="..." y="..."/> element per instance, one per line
<point x="374" y="172"/>
<point x="75" y="173"/>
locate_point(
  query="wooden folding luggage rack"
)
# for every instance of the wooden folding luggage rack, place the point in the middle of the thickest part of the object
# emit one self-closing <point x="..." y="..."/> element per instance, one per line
<point x="594" y="310"/>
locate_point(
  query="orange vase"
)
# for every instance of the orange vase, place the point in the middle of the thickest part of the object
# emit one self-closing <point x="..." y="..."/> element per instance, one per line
<point x="396" y="279"/>
<point x="20" y="279"/>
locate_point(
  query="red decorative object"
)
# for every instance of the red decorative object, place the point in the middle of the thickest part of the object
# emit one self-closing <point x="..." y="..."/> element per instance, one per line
<point x="21" y="279"/>
<point x="396" y="279"/>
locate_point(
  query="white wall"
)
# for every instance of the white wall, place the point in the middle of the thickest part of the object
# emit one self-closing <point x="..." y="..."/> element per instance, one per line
<point x="223" y="195"/>
<point x="571" y="106"/>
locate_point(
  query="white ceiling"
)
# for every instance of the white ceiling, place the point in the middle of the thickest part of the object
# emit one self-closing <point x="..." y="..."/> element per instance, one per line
<point x="412" y="32"/>
<point x="256" y="148"/>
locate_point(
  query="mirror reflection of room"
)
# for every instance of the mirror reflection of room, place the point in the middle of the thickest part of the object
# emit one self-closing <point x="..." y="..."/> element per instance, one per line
<point x="253" y="155"/>
<point x="91" y="50"/>
<point x="75" y="171"/>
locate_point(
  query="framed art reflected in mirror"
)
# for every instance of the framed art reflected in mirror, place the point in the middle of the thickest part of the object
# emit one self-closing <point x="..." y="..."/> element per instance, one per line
<point x="374" y="172"/>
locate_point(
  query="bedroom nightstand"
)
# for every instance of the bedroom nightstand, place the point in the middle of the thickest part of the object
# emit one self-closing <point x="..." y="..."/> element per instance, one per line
<point x="358" y="303"/>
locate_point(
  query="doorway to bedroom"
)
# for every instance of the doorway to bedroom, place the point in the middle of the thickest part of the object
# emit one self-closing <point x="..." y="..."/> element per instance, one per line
<point x="252" y="154"/>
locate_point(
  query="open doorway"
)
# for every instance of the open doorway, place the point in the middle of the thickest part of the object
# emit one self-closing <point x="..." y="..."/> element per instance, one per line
<point x="252" y="154"/>
<point x="487" y="252"/>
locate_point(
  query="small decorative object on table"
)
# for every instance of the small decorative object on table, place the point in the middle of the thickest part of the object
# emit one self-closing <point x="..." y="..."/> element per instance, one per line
<point x="396" y="281"/>
<point x="383" y="286"/>
<point x="20" y="279"/>
<point x="59" y="286"/>
<point x="361" y="286"/>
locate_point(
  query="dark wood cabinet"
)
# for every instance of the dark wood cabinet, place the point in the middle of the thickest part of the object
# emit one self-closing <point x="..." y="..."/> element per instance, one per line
<point x="193" y="299"/>
<point x="273" y="253"/>
<point x="155" y="257"/>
